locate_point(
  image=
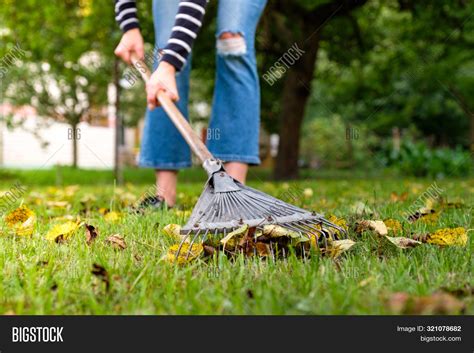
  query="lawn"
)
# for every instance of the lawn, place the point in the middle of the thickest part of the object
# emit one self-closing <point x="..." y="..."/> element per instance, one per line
<point x="45" y="277"/>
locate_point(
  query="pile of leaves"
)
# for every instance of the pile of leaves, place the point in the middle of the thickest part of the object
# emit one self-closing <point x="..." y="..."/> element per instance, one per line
<point x="269" y="241"/>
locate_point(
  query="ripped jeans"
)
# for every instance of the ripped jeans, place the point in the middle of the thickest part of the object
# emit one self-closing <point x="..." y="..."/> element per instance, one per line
<point x="233" y="132"/>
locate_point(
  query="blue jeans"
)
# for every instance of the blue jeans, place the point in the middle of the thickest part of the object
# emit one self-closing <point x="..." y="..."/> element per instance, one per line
<point x="235" y="118"/>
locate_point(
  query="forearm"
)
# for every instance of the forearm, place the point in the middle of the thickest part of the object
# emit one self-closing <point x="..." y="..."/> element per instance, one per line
<point x="126" y="14"/>
<point x="188" y="22"/>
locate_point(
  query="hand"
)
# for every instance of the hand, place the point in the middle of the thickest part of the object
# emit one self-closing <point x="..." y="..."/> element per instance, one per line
<point x="131" y="42"/>
<point x="163" y="79"/>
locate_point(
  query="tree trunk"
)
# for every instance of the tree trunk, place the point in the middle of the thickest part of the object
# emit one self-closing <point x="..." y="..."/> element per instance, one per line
<point x="471" y="133"/>
<point x="296" y="91"/>
<point x="118" y="148"/>
<point x="74" y="145"/>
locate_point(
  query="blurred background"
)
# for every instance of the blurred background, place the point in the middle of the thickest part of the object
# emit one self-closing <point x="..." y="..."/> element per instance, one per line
<point x="373" y="87"/>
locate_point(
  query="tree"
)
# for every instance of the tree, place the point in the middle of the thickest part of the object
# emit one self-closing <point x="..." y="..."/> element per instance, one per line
<point x="301" y="22"/>
<point x="66" y="71"/>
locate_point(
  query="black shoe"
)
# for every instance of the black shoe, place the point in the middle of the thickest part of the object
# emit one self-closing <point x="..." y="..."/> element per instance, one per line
<point x="151" y="202"/>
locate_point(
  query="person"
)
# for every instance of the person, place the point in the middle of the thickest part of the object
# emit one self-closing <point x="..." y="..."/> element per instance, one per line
<point x="235" y="114"/>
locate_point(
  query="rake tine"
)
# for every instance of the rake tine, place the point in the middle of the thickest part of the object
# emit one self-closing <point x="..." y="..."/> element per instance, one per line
<point x="332" y="225"/>
<point x="191" y="244"/>
<point x="312" y="231"/>
<point x="181" y="244"/>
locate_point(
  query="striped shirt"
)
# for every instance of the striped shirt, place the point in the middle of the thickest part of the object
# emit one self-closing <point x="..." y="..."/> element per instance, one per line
<point x="188" y="21"/>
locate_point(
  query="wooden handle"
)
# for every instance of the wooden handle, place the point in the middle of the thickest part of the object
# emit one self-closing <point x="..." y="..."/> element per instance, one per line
<point x="193" y="140"/>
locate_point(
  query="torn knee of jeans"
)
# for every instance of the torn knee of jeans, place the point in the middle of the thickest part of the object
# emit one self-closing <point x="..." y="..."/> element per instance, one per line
<point x="230" y="43"/>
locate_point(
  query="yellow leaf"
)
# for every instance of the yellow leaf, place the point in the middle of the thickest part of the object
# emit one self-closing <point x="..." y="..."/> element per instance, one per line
<point x="276" y="231"/>
<point x="403" y="243"/>
<point x="21" y="220"/>
<point x="231" y="240"/>
<point x="337" y="247"/>
<point x="174" y="231"/>
<point x="393" y="225"/>
<point x="186" y="254"/>
<point x="62" y="231"/>
<point x="112" y="216"/>
<point x="448" y="236"/>
<point x="339" y="222"/>
<point x="308" y="193"/>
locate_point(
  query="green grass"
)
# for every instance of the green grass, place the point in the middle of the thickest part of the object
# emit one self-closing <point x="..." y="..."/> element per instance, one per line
<point x="42" y="277"/>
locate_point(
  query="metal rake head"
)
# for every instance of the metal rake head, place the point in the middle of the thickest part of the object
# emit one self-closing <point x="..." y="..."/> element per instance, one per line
<point x="226" y="204"/>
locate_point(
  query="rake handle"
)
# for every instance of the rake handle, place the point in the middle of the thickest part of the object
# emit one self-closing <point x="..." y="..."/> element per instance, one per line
<point x="193" y="140"/>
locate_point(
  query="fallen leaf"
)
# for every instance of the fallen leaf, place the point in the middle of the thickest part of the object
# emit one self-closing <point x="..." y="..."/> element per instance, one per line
<point x="339" y="222"/>
<point x="231" y="240"/>
<point x="422" y="212"/>
<point x="360" y="208"/>
<point x="174" y="231"/>
<point x="58" y="204"/>
<point x="100" y="272"/>
<point x="464" y="291"/>
<point x="209" y="250"/>
<point x="402" y="242"/>
<point x="448" y="236"/>
<point x="393" y="225"/>
<point x="398" y="197"/>
<point x="438" y="303"/>
<point x="116" y="241"/>
<point x="63" y="231"/>
<point x="275" y="231"/>
<point x="262" y="249"/>
<point x="337" y="247"/>
<point x="187" y="254"/>
<point x="21" y="220"/>
<point x="378" y="227"/>
<point x="454" y="204"/>
<point x="91" y="233"/>
<point x="366" y="281"/>
<point x="112" y="216"/>
<point x="308" y="193"/>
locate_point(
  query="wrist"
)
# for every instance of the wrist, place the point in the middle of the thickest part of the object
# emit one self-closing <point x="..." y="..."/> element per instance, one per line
<point x="166" y="66"/>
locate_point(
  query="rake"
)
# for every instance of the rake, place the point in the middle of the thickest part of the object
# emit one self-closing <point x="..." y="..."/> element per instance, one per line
<point x="226" y="204"/>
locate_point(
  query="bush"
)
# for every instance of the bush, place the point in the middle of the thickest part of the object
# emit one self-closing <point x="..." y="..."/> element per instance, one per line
<point x="418" y="159"/>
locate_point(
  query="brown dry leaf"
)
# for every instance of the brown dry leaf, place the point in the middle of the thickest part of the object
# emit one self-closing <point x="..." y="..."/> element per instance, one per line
<point x="231" y="240"/>
<point x="209" y="250"/>
<point x="378" y="227"/>
<point x="403" y="243"/>
<point x="394" y="197"/>
<point x="247" y="243"/>
<point x="100" y="272"/>
<point x="186" y="254"/>
<point x="21" y="220"/>
<point x="438" y="303"/>
<point x="337" y="247"/>
<point x="448" y="236"/>
<point x="422" y="213"/>
<point x="262" y="249"/>
<point x="454" y="204"/>
<point x="91" y="233"/>
<point x="116" y="241"/>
